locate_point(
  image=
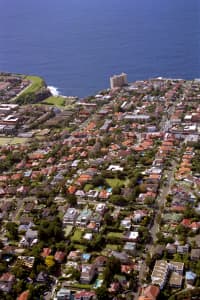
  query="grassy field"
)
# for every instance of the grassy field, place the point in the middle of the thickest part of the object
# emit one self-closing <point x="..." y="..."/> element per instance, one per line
<point x="55" y="100"/>
<point x="88" y="187"/>
<point x="118" y="235"/>
<point x="83" y="286"/>
<point x="112" y="247"/>
<point x="68" y="230"/>
<point x="60" y="101"/>
<point x="80" y="247"/>
<point x="37" y="83"/>
<point x="12" y="140"/>
<point x="77" y="236"/>
<point x="27" y="95"/>
<point x="115" y="182"/>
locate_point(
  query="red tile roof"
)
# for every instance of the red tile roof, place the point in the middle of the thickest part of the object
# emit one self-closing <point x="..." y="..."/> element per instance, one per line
<point x="23" y="296"/>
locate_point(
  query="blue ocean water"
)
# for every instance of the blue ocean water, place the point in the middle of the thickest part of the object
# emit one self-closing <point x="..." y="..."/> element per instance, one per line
<point x="76" y="45"/>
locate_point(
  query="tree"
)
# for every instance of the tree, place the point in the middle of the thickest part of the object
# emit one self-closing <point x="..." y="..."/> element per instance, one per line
<point x="11" y="227"/>
<point x="99" y="181"/>
<point x="102" y="293"/>
<point x="50" y="232"/>
<point x="96" y="243"/>
<point x="113" y="266"/>
<point x="49" y="261"/>
<point x="108" y="219"/>
<point x="20" y="271"/>
<point x="3" y="267"/>
<point x="19" y="286"/>
<point x="72" y="200"/>
<point x="118" y="200"/>
<point x="75" y="273"/>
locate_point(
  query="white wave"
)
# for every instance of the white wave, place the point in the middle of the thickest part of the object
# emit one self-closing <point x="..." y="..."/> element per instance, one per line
<point x="54" y="90"/>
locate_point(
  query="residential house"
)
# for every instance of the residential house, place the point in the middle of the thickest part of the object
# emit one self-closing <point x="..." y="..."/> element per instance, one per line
<point x="80" y="194"/>
<point x="175" y="280"/>
<point x="70" y="216"/>
<point x="190" y="277"/>
<point x="195" y="254"/>
<point x="27" y="261"/>
<point x="130" y="248"/>
<point x="6" y="282"/>
<point x="74" y="255"/>
<point x="160" y="273"/>
<point x="24" y="295"/>
<point x="92" y="194"/>
<point x="122" y="256"/>
<point x="100" y="262"/>
<point x="177" y="267"/>
<point x="101" y="208"/>
<point x="46" y="252"/>
<point x="84" y="217"/>
<point x="195" y="226"/>
<point x="104" y="194"/>
<point x="95" y="222"/>
<point x="29" y="207"/>
<point x="131" y="236"/>
<point x="139" y="215"/>
<point x="114" y="287"/>
<point x="59" y="256"/>
<point x="171" y="248"/>
<point x="183" y="249"/>
<point x="150" y="292"/>
<point x="126" y="223"/>
<point x="31" y="235"/>
<point x="42" y="277"/>
<point x="63" y="294"/>
<point x="88" y="272"/>
<point x="84" y="295"/>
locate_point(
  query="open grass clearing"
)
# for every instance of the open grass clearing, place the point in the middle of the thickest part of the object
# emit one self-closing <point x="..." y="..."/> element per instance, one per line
<point x="88" y="187"/>
<point x="37" y="83"/>
<point x="83" y="286"/>
<point x="115" y="182"/>
<point x="115" y="235"/>
<point x="112" y="247"/>
<point x="76" y="237"/>
<point x="80" y="247"/>
<point x="12" y="140"/>
<point x="55" y="100"/>
<point x="68" y="230"/>
<point x="60" y="102"/>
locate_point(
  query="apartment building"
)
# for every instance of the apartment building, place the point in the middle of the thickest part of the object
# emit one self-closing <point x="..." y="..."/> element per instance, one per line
<point x="160" y="272"/>
<point x="117" y="81"/>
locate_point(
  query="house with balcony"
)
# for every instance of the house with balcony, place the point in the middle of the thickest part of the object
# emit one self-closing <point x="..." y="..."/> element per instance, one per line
<point x="88" y="272"/>
<point x="160" y="273"/>
<point x="70" y="216"/>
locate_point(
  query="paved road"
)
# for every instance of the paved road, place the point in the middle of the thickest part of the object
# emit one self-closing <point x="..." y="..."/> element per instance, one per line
<point x="20" y="203"/>
<point x="160" y="201"/>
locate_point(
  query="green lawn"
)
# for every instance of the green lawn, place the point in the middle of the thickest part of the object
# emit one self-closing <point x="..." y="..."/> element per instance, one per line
<point x="77" y="236"/>
<point x="55" y="100"/>
<point x="68" y="230"/>
<point x="88" y="187"/>
<point x="12" y="140"/>
<point x="115" y="235"/>
<point x="60" y="101"/>
<point x="80" y="247"/>
<point x="28" y="94"/>
<point x="37" y="83"/>
<point x="115" y="182"/>
<point x="112" y="247"/>
<point x="83" y="286"/>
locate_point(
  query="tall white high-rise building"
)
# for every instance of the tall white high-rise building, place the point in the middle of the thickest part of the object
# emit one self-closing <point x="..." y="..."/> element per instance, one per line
<point x="118" y="80"/>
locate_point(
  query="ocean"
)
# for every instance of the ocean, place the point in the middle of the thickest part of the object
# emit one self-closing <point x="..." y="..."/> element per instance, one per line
<point x="76" y="45"/>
